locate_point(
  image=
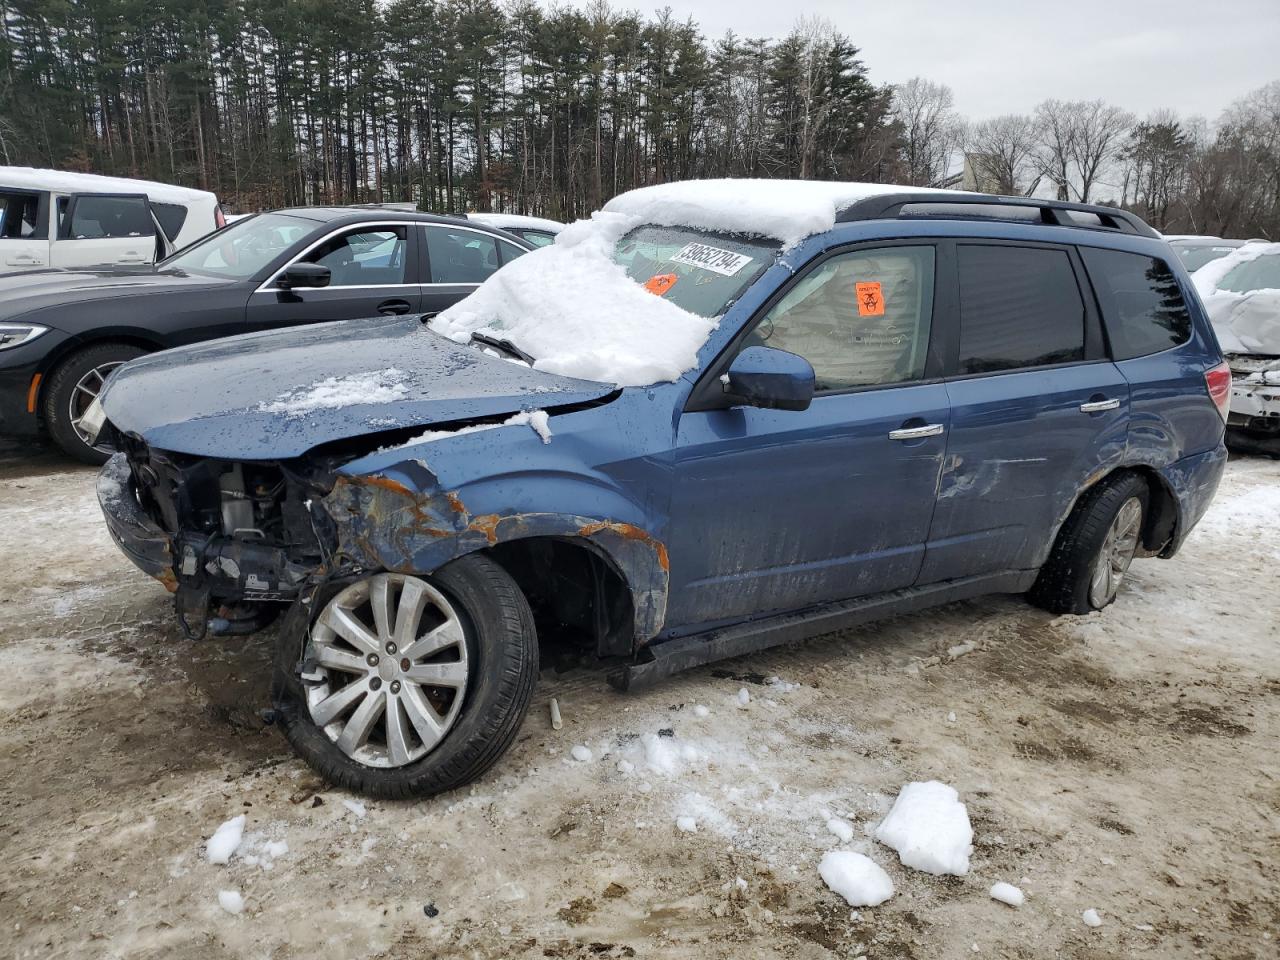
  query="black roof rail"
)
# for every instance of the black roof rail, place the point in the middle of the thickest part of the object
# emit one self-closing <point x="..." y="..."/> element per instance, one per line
<point x="979" y="206"/>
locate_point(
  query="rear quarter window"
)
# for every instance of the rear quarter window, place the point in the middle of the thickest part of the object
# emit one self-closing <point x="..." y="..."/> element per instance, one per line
<point x="1143" y="310"/>
<point x="171" y="216"/>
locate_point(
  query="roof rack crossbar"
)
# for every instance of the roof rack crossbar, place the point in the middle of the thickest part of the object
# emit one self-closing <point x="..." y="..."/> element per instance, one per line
<point x="1051" y="212"/>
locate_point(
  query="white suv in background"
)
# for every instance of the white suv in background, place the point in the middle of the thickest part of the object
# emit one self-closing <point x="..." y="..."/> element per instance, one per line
<point x="54" y="219"/>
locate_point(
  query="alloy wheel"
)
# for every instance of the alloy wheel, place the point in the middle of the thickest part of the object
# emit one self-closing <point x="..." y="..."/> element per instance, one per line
<point x="392" y="668"/>
<point x="84" y="393"/>
<point x="1118" y="549"/>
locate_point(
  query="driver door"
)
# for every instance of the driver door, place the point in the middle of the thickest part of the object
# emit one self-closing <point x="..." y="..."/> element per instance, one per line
<point x="777" y="510"/>
<point x="372" y="271"/>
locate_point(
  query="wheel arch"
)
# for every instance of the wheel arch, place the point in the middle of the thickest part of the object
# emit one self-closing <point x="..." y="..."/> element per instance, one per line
<point x="93" y="338"/>
<point x="1163" y="508"/>
<point x="384" y="523"/>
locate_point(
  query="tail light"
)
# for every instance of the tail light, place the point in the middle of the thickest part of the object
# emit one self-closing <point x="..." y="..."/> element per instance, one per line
<point x="1218" y="381"/>
<point x="219" y="218"/>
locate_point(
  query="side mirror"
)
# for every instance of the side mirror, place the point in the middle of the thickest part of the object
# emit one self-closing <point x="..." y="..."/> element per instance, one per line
<point x="303" y="275"/>
<point x="770" y="378"/>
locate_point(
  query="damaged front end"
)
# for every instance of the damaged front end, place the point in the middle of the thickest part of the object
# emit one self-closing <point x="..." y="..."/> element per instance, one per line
<point x="229" y="540"/>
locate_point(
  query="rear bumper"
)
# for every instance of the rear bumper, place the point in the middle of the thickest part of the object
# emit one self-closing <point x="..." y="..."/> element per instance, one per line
<point x="140" y="538"/>
<point x="1193" y="480"/>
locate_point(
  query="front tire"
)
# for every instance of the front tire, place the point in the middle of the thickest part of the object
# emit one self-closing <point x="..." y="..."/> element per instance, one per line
<point x="1094" y="548"/>
<point x="72" y="386"/>
<point x="419" y="684"/>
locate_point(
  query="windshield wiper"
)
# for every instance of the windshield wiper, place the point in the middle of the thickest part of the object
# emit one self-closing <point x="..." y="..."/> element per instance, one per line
<point x="506" y="346"/>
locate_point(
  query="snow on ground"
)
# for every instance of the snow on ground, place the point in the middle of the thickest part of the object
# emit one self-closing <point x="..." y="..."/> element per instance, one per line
<point x="857" y="878"/>
<point x="1081" y="760"/>
<point x="929" y="827"/>
<point x="1007" y="893"/>
<point x="225" y="840"/>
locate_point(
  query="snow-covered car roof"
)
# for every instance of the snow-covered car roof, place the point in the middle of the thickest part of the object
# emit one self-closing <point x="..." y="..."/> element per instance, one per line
<point x="34" y="178"/>
<point x="786" y="210"/>
<point x="504" y="220"/>
<point x="1245" y="321"/>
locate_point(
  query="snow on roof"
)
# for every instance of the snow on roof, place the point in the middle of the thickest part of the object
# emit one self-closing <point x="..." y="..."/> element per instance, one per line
<point x="1211" y="274"/>
<point x="33" y="178"/>
<point x="504" y="220"/>
<point x="787" y="210"/>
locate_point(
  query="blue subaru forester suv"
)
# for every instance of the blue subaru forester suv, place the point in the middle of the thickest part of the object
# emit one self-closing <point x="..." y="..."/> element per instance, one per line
<point x="714" y="418"/>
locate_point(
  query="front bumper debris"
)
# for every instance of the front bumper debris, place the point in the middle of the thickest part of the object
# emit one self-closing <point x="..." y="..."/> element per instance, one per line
<point x="217" y="566"/>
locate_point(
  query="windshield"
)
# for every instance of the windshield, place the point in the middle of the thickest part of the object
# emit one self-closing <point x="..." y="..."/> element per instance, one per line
<point x="1260" y="274"/>
<point x="1195" y="256"/>
<point x="699" y="272"/>
<point x="242" y="249"/>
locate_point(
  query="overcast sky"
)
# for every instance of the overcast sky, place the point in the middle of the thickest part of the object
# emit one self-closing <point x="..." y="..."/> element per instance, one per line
<point x="1004" y="56"/>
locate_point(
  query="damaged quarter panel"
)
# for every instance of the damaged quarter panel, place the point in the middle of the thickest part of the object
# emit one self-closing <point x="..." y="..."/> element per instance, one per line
<point x="603" y="478"/>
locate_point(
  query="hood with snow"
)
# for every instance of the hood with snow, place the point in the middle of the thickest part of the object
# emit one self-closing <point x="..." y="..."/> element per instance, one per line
<point x="1247" y="322"/>
<point x="277" y="394"/>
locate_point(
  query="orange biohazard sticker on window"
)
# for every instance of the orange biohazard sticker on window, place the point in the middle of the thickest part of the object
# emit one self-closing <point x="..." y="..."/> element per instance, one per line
<point x="660" y="283"/>
<point x="870" y="299"/>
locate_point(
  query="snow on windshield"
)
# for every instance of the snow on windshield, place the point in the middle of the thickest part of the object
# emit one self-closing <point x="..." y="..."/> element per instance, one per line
<point x="579" y="314"/>
<point x="787" y="210"/>
<point x="1245" y="320"/>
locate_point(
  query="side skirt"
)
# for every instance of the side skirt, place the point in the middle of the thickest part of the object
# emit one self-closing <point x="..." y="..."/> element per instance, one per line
<point x="664" y="658"/>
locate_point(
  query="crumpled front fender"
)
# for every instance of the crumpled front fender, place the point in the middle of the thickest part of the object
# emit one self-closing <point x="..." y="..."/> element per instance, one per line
<point x="382" y="523"/>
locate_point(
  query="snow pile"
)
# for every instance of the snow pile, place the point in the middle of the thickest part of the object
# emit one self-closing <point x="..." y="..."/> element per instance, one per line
<point x="686" y="824"/>
<point x="1008" y="893"/>
<point x="225" y="841"/>
<point x="786" y="210"/>
<point x="258" y="851"/>
<point x="231" y="901"/>
<point x="578" y="312"/>
<point x="929" y="827"/>
<point x="581" y="754"/>
<point x="667" y="756"/>
<point x="857" y="878"/>
<point x="355" y="806"/>
<point x="332" y="393"/>
<point x="1091" y="918"/>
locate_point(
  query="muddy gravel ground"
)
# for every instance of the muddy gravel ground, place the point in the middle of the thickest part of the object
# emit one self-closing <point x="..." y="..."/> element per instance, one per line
<point x="1126" y="761"/>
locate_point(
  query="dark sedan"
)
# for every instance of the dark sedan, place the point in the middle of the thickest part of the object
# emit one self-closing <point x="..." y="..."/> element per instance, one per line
<point x="62" y="332"/>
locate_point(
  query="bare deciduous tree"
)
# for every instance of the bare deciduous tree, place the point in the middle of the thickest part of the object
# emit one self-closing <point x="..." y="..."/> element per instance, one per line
<point x="1002" y="153"/>
<point x="931" y="129"/>
<point x="1078" y="139"/>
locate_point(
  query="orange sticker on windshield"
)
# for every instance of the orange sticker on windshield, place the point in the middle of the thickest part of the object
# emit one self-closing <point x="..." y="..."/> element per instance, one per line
<point x="660" y="283"/>
<point x="870" y="299"/>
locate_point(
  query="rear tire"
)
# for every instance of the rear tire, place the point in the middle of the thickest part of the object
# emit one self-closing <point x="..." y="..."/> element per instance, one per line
<point x="500" y="661"/>
<point x="70" y="389"/>
<point x="1104" y="528"/>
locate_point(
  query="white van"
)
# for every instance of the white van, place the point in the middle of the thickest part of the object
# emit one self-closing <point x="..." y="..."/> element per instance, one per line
<point x="53" y="219"/>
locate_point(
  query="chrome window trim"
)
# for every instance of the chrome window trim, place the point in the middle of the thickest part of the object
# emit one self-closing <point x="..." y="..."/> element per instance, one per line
<point x="266" y="285"/>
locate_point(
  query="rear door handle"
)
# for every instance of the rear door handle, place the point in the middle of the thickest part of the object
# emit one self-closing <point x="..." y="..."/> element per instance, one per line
<point x="392" y="307"/>
<point x="1097" y="406"/>
<point x="916" y="433"/>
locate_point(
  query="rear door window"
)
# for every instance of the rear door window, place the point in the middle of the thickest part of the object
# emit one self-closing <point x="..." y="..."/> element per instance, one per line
<point x="94" y="217"/>
<point x="461" y="256"/>
<point x="1142" y="305"/>
<point x="1019" y="307"/>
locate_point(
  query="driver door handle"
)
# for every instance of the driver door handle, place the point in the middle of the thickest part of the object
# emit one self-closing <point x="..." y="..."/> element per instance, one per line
<point x="916" y="433"/>
<point x="1097" y="406"/>
<point x="392" y="307"/>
